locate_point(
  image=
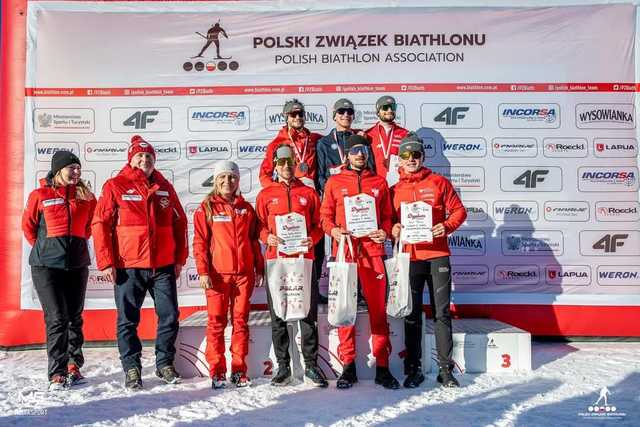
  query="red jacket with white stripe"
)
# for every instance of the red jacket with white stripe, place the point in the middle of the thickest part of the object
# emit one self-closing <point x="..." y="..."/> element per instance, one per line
<point x="139" y="222"/>
<point x="447" y="208"/>
<point x="226" y="240"/>
<point x="281" y="199"/>
<point x="380" y="144"/>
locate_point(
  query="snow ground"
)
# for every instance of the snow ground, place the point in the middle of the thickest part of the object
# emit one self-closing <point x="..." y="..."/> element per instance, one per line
<point x="566" y="379"/>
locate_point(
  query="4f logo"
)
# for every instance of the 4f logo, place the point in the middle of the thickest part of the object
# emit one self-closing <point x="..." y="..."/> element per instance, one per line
<point x="139" y="119"/>
<point x="451" y="115"/>
<point x="610" y="242"/>
<point x="531" y="178"/>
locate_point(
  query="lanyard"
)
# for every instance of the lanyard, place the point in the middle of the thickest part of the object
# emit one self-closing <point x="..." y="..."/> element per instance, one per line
<point x="387" y="151"/>
<point x="295" y="148"/>
<point x="340" y="152"/>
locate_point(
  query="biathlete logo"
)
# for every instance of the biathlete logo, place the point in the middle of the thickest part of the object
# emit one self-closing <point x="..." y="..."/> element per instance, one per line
<point x="216" y="63"/>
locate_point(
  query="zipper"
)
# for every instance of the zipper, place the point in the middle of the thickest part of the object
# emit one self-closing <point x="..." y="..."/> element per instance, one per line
<point x="66" y="262"/>
<point x="359" y="247"/>
<point x="235" y="237"/>
<point x="289" y="197"/>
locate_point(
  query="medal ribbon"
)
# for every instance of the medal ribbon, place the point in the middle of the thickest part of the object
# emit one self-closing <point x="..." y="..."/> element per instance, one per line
<point x="296" y="150"/>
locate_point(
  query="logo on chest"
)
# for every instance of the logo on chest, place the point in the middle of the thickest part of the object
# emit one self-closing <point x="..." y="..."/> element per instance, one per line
<point x="303" y="201"/>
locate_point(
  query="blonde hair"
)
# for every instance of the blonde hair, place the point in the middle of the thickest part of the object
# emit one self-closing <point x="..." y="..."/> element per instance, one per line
<point x="82" y="189"/>
<point x="208" y="209"/>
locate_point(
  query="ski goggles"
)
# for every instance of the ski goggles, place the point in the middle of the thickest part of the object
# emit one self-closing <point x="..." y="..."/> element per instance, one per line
<point x="343" y="111"/>
<point x="389" y="107"/>
<point x="298" y="113"/>
<point x="406" y="155"/>
<point x="285" y="161"/>
<point x="358" y="149"/>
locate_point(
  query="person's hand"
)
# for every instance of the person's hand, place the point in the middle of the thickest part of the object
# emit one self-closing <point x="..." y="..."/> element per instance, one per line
<point x="109" y="274"/>
<point x="395" y="231"/>
<point x="337" y="232"/>
<point x="378" y="236"/>
<point x="308" y="242"/>
<point x="259" y="280"/>
<point x="178" y="269"/>
<point x="273" y="240"/>
<point x="205" y="282"/>
<point x="438" y="230"/>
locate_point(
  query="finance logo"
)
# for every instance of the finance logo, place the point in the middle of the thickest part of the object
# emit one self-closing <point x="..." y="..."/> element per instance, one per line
<point x="514" y="147"/>
<point x="561" y="211"/>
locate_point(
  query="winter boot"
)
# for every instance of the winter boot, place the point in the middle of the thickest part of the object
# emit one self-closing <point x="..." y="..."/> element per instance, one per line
<point x="385" y="378"/>
<point x="348" y="377"/>
<point x="240" y="379"/>
<point x="446" y="378"/>
<point x="282" y="377"/>
<point x="314" y="375"/>
<point x="168" y="374"/>
<point x="133" y="379"/>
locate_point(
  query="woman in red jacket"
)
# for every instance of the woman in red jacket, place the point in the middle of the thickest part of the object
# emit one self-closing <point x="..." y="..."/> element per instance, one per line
<point x="429" y="260"/>
<point x="57" y="224"/>
<point x="229" y="262"/>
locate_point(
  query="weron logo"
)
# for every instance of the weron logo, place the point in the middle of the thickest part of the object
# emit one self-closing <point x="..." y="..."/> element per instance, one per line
<point x="618" y="275"/>
<point x="252" y="148"/>
<point x="464" y="147"/>
<point x="514" y="210"/>
<point x="46" y="150"/>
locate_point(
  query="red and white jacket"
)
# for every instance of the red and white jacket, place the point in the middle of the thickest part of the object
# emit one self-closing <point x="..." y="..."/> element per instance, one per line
<point x="383" y="143"/>
<point x="139" y="222"/>
<point x="349" y="183"/>
<point x="447" y="208"/>
<point x="281" y="199"/>
<point x="226" y="240"/>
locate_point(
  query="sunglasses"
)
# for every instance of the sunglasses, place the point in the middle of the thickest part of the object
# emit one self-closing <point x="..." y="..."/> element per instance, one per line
<point x="406" y="155"/>
<point x="295" y="114"/>
<point x="358" y="149"/>
<point x="343" y="111"/>
<point x="388" y="107"/>
<point x="285" y="161"/>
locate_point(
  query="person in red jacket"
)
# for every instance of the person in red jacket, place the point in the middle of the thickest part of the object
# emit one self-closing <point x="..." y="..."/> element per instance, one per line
<point x="429" y="260"/>
<point x="302" y="142"/>
<point x="229" y="263"/>
<point x="357" y="180"/>
<point x="57" y="223"/>
<point x="140" y="240"/>
<point x="385" y="137"/>
<point x="281" y="198"/>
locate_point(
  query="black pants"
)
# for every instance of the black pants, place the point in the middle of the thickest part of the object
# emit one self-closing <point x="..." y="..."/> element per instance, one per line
<point x="132" y="285"/>
<point x="308" y="332"/>
<point x="437" y="275"/>
<point x="318" y="261"/>
<point x="61" y="294"/>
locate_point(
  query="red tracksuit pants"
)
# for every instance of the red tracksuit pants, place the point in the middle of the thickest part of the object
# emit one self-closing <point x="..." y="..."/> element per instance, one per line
<point x="373" y="279"/>
<point x="229" y="290"/>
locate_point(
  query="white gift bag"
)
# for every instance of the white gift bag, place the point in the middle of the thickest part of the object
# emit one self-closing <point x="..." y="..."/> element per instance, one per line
<point x="343" y="288"/>
<point x="399" y="302"/>
<point x="289" y="281"/>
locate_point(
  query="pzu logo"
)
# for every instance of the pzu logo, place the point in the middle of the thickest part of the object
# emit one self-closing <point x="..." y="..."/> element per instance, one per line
<point x="139" y="119"/>
<point x="610" y="242"/>
<point x="530" y="178"/>
<point x="451" y="115"/>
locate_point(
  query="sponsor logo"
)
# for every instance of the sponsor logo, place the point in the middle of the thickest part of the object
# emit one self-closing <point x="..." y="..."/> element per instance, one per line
<point x="618" y="211"/>
<point x="252" y="148"/>
<point x="166" y="150"/>
<point x="106" y="151"/>
<point x="469" y="274"/>
<point x="574" y="211"/>
<point x="516" y="275"/>
<point x="534" y="178"/>
<point x="190" y="210"/>
<point x="366" y="115"/>
<point x="444" y="116"/>
<point x="615" y="147"/>
<point x="467" y="242"/>
<point x="605" y="116"/>
<point x="210" y="46"/>
<point x="618" y="275"/>
<point x="515" y="211"/>
<point x="464" y="147"/>
<point x="607" y="179"/>
<point x="218" y="118"/>
<point x="315" y="117"/>
<point x="210" y="150"/>
<point x="514" y="147"/>
<point x="52" y="202"/>
<point x="564" y="147"/>
<point x="610" y="242"/>
<point x="468" y="178"/>
<point x="201" y="180"/>
<point x="476" y="210"/>
<point x="152" y="119"/>
<point x="46" y="150"/>
<point x="528" y="242"/>
<point x="574" y="275"/>
<point x="63" y="120"/>
<point x="97" y="281"/>
<point x="529" y="116"/>
<point x="193" y="278"/>
<point x="601" y="408"/>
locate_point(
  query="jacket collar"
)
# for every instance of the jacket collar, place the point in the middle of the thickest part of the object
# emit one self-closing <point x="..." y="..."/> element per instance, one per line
<point x="137" y="175"/>
<point x="419" y="175"/>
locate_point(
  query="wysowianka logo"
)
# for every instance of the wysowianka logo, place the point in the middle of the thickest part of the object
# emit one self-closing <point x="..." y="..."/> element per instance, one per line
<point x="210" y="63"/>
<point x="605" y="116"/>
<point x="467" y="242"/>
<point x="615" y="147"/>
<point x="603" y="407"/>
<point x="218" y="118"/>
<point x="315" y="117"/>
<point x="529" y="116"/>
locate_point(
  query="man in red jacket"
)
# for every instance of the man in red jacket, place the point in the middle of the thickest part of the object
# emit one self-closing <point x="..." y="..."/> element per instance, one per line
<point x="357" y="180"/>
<point x="429" y="260"/>
<point x="289" y="195"/>
<point x="385" y="137"/>
<point x="302" y="142"/>
<point x="140" y="239"/>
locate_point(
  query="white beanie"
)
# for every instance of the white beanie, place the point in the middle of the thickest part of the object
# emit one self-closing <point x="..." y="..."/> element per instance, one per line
<point x="225" y="166"/>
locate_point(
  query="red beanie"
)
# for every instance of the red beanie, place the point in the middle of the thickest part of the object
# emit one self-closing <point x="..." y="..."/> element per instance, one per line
<point x="139" y="145"/>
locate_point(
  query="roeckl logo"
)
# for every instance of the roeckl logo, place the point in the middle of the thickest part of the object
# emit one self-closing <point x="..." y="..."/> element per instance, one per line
<point x="530" y="178"/>
<point x="215" y="63"/>
<point x="450" y="116"/>
<point x="610" y="242"/>
<point x="139" y="119"/>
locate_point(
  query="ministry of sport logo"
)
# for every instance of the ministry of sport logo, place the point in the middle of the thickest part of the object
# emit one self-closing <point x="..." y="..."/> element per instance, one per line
<point x="603" y="407"/>
<point x="208" y="59"/>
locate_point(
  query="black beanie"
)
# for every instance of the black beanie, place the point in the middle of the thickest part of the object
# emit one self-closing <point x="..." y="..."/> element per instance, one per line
<point x="354" y="140"/>
<point x="62" y="159"/>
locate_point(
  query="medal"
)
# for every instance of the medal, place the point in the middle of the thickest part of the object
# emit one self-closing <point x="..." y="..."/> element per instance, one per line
<point x="303" y="167"/>
<point x="386" y="163"/>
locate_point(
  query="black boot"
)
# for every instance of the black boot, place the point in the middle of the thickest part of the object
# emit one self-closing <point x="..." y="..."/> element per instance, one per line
<point x="446" y="378"/>
<point x="348" y="377"/>
<point x="282" y="377"/>
<point x="315" y="376"/>
<point x="385" y="379"/>
<point x="133" y="379"/>
<point x="415" y="377"/>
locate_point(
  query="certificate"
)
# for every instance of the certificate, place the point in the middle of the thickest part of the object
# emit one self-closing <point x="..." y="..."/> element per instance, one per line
<point x="392" y="174"/>
<point x="417" y="222"/>
<point x="292" y="228"/>
<point x="360" y="214"/>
